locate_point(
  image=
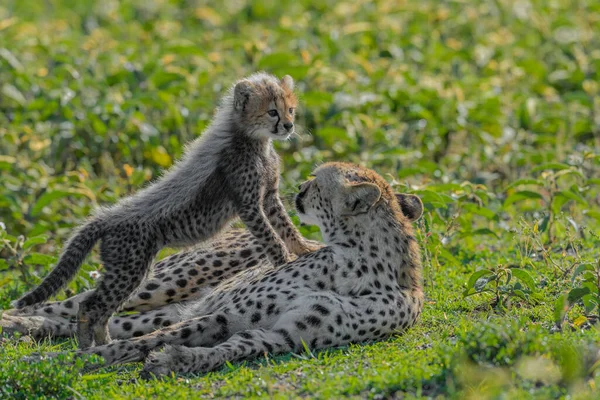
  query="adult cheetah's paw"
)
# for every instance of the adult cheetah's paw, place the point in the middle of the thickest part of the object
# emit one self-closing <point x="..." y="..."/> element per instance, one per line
<point x="28" y="310"/>
<point x="30" y="325"/>
<point x="39" y="357"/>
<point x="162" y="363"/>
<point x="308" y="246"/>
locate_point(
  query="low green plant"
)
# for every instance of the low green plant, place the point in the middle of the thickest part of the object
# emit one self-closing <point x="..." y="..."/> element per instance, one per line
<point x="555" y="185"/>
<point x="504" y="283"/>
<point x="54" y="378"/>
<point x="585" y="291"/>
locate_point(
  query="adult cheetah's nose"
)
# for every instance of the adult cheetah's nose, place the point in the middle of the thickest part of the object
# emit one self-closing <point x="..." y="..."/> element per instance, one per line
<point x="288" y="126"/>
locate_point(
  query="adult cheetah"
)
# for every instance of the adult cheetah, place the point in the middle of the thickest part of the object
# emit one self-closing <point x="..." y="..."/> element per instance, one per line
<point x="365" y="284"/>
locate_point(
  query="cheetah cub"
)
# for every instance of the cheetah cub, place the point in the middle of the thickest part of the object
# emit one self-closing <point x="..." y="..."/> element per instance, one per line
<point x="365" y="285"/>
<point x="231" y="170"/>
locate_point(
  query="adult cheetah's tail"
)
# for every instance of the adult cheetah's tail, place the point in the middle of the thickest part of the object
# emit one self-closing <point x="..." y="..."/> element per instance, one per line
<point x="76" y="249"/>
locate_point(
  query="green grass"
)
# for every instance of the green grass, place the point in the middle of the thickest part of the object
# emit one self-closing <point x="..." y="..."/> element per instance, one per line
<point x="489" y="110"/>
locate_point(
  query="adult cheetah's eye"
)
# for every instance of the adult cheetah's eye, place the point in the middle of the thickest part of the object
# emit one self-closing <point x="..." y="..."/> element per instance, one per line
<point x="291" y="110"/>
<point x="273" y="113"/>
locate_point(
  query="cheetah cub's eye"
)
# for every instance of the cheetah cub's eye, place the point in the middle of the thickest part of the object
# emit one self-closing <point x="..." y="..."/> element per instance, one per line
<point x="291" y="110"/>
<point x="273" y="113"/>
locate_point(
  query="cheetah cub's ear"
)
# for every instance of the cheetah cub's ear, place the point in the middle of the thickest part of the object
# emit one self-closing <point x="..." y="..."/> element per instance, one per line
<point x="411" y="205"/>
<point x="360" y="198"/>
<point x="241" y="95"/>
<point x="287" y="82"/>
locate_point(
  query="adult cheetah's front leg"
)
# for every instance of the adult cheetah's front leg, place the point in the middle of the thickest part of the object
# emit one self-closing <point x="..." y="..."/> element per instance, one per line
<point x="201" y="331"/>
<point x="320" y="320"/>
<point x="119" y="327"/>
<point x="242" y="345"/>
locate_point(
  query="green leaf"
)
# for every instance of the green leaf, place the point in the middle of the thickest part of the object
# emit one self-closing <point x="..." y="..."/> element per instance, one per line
<point x="51" y="196"/>
<point x="580" y="269"/>
<point x="561" y="306"/>
<point x="551" y="166"/>
<point x="521" y="294"/>
<point x="522" y="195"/>
<point x="162" y="79"/>
<point x="160" y="156"/>
<point x="592" y="213"/>
<point x="570" y="195"/>
<point x="32" y="241"/>
<point x="590" y="302"/>
<point x="482" y="282"/>
<point x="484" y="212"/>
<point x="543" y="224"/>
<point x="576" y="294"/>
<point x="475" y="276"/>
<point x="570" y="171"/>
<point x="274" y="60"/>
<point x="445" y="254"/>
<point x="38" y="259"/>
<point x="524" y="277"/>
<point x="317" y="99"/>
<point x="520" y="182"/>
<point x="12" y="92"/>
<point x="436" y="200"/>
<point x="332" y="135"/>
<point x="593" y="181"/>
<point x="590" y="283"/>
<point x="478" y="232"/>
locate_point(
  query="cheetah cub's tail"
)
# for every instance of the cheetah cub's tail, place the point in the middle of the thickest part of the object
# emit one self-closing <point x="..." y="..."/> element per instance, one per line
<point x="76" y="249"/>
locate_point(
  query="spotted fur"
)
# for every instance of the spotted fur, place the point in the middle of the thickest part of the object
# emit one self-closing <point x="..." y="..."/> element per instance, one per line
<point x="173" y="282"/>
<point x="231" y="170"/>
<point x="364" y="285"/>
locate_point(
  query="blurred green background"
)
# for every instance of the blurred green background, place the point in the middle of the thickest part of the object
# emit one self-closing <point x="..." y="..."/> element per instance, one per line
<point x="487" y="109"/>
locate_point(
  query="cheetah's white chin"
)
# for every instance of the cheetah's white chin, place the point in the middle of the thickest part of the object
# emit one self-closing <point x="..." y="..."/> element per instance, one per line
<point x="307" y="219"/>
<point x="265" y="133"/>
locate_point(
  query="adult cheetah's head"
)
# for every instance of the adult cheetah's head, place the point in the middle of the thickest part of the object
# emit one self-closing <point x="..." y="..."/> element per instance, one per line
<point x="343" y="192"/>
<point x="264" y="106"/>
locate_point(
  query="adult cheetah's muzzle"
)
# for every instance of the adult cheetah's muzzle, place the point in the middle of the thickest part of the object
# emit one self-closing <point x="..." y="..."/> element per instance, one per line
<point x="298" y="202"/>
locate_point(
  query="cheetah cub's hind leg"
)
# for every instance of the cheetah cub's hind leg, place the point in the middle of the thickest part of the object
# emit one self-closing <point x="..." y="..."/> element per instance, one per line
<point x="113" y="289"/>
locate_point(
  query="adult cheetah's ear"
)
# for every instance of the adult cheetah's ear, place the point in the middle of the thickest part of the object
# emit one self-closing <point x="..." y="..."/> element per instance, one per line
<point x="241" y="95"/>
<point x="287" y="82"/>
<point x="360" y="198"/>
<point x="411" y="205"/>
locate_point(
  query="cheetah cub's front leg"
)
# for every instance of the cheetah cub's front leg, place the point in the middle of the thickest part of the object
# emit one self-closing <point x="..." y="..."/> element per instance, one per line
<point x="283" y="225"/>
<point x="252" y="212"/>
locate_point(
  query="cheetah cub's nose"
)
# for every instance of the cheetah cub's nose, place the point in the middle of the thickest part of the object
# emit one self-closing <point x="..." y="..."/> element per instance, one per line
<point x="288" y="126"/>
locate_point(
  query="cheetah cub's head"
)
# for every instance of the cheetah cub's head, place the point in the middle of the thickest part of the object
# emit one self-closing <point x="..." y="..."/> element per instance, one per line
<point x="264" y="106"/>
<point x="342" y="195"/>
